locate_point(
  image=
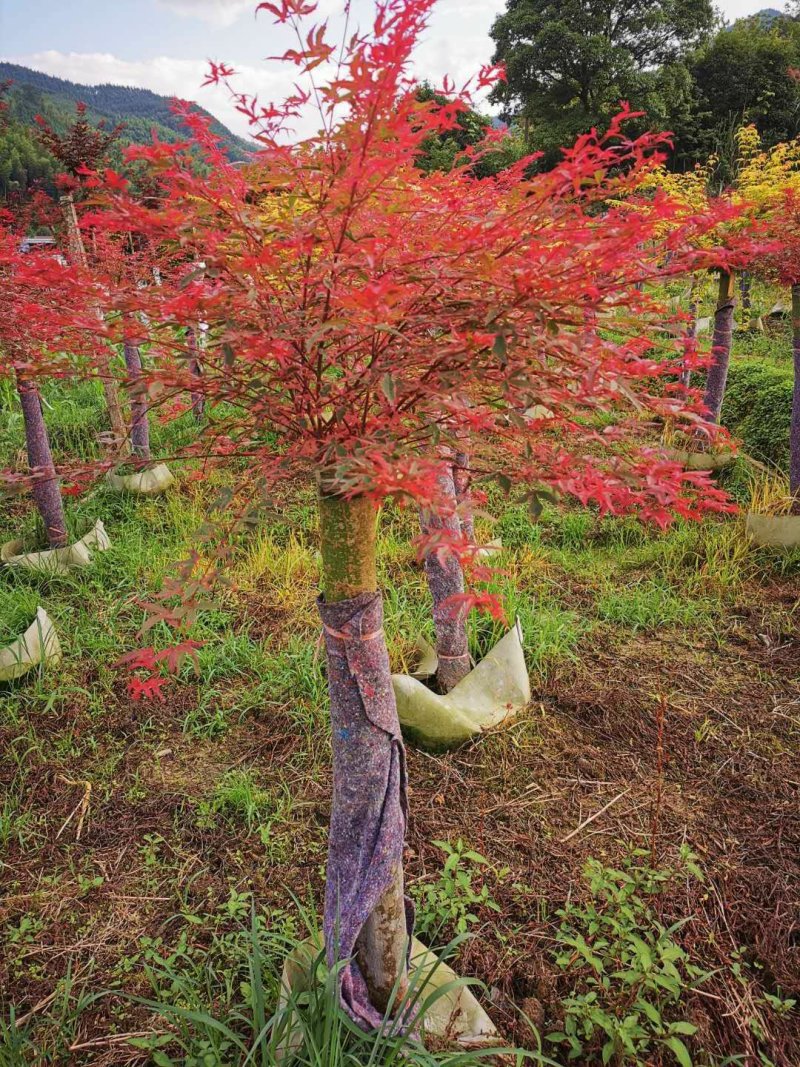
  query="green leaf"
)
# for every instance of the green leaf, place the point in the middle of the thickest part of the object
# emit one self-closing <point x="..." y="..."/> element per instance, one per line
<point x="650" y="1010"/>
<point x="679" y="1051"/>
<point x="688" y="1029"/>
<point x="476" y="857"/>
<point x="389" y="388"/>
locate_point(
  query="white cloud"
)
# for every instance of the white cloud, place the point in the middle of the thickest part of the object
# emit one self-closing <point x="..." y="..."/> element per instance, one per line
<point x="165" y="75"/>
<point x="217" y="12"/>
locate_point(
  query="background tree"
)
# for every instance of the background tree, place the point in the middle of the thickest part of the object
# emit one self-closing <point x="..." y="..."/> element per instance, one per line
<point x="570" y="63"/>
<point x="78" y="151"/>
<point x="456" y="146"/>
<point x="743" y="75"/>
<point x="81" y="149"/>
<point x="24" y="163"/>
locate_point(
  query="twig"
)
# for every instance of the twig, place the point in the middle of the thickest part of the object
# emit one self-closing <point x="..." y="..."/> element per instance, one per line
<point x="116" y="1039"/>
<point x="596" y="815"/>
<point x="36" y="1007"/>
<point x="80" y="809"/>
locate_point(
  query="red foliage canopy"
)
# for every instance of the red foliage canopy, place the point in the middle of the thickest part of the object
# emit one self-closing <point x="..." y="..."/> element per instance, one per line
<point x="361" y="313"/>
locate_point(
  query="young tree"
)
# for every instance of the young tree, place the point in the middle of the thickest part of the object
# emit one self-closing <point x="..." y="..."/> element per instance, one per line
<point x="771" y="179"/>
<point x="40" y="296"/>
<point x="364" y="316"/>
<point x="196" y="371"/>
<point x="80" y="150"/>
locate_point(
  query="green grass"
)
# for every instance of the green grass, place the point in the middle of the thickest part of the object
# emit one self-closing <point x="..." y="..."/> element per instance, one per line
<point x="649" y="606"/>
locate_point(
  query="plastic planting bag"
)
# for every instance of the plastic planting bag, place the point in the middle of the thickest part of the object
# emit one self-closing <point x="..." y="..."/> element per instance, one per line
<point x="36" y="646"/>
<point x="493" y="691"/>
<point x="57" y="560"/>
<point x="149" y="482"/>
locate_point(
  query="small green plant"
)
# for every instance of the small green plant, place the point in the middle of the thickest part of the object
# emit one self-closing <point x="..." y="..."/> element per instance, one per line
<point x="631" y="971"/>
<point x="648" y="606"/>
<point x="236" y="797"/>
<point x="451" y="901"/>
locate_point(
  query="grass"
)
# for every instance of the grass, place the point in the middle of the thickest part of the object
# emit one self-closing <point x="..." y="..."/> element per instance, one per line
<point x="201" y="855"/>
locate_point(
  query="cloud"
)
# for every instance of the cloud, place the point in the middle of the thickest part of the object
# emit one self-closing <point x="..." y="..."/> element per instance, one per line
<point x="456" y="43"/>
<point x="164" y="75"/>
<point x="217" y="12"/>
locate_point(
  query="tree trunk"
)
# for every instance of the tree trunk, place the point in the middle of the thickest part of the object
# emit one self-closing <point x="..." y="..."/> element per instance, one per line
<point x="445" y="580"/>
<point x="745" y="283"/>
<point x="140" y="426"/>
<point x="46" y="490"/>
<point x="721" y="346"/>
<point x="366" y="914"/>
<point x="77" y="255"/>
<point x="196" y="371"/>
<point x="691" y="333"/>
<point x="461" y="480"/>
<point x="77" y="249"/>
<point x="794" y="437"/>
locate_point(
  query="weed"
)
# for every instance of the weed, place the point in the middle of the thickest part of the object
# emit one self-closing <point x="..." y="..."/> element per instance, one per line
<point x="648" y="606"/>
<point x="449" y="902"/>
<point x="633" y="972"/>
<point x="236" y="796"/>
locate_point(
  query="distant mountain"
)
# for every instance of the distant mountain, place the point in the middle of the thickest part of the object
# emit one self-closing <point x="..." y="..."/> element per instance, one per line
<point x="766" y="16"/>
<point x="33" y="93"/>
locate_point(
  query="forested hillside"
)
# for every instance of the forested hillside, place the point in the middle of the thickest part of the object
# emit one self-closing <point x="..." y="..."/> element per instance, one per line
<point x="24" y="162"/>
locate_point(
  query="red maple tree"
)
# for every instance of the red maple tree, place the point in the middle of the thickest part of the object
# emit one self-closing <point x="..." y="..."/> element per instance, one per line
<point x="363" y="321"/>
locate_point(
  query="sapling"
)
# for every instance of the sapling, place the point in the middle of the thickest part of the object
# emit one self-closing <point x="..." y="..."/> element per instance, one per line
<point x="721" y="345"/>
<point x="32" y="284"/>
<point x="140" y="426"/>
<point x="780" y="263"/>
<point x="196" y="372"/>
<point x="322" y="303"/>
<point x="82" y="149"/>
<point x="45" y="486"/>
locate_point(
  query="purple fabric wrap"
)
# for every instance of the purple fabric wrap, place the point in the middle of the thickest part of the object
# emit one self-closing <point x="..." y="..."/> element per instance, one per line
<point x="46" y="491"/>
<point x="794" y="432"/>
<point x="721" y="357"/>
<point x="445" y="580"/>
<point x="370" y="806"/>
<point x="140" y="428"/>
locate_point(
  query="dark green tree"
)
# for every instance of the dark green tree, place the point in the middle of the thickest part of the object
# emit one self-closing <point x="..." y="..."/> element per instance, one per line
<point x="450" y="148"/>
<point x="571" y="62"/>
<point x="745" y="74"/>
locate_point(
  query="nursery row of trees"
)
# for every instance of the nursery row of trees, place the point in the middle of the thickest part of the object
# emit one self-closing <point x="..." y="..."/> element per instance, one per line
<point x="331" y="313"/>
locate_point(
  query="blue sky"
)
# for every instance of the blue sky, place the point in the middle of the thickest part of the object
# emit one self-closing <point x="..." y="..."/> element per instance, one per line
<point x="164" y="44"/>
